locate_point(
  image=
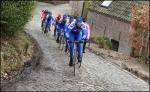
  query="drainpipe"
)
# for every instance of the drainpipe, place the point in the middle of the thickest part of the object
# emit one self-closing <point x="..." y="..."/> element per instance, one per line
<point x="83" y="8"/>
<point x="119" y="36"/>
<point x="104" y="30"/>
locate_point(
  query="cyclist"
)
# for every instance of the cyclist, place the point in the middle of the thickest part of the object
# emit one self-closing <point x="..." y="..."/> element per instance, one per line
<point x="71" y="19"/>
<point x="43" y="14"/>
<point x="57" y="19"/>
<point x="48" y="21"/>
<point x="62" y="25"/>
<point x="76" y="32"/>
<point x="87" y="34"/>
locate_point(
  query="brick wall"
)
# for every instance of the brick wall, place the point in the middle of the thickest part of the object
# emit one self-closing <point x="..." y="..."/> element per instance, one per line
<point x="110" y="27"/>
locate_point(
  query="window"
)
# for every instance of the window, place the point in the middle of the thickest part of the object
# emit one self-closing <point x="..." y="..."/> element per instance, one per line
<point x="106" y="3"/>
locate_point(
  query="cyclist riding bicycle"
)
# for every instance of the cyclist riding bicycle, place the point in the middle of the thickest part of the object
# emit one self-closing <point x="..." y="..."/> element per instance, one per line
<point x="87" y="34"/>
<point x="43" y="14"/>
<point x="57" y="19"/>
<point x="76" y="32"/>
<point x="71" y="19"/>
<point x="62" y="25"/>
<point x="48" y="21"/>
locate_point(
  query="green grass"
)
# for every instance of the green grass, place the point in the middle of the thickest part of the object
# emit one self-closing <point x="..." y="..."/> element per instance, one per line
<point x="14" y="52"/>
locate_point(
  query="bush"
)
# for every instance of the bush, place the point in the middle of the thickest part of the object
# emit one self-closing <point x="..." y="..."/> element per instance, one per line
<point x="92" y="39"/>
<point x="14" y="15"/>
<point x="108" y="42"/>
<point x="103" y="42"/>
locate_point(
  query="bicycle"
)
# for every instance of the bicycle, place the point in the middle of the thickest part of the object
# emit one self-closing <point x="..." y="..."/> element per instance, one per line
<point x="67" y="48"/>
<point x="75" y="55"/>
<point x="55" y="31"/>
<point x="61" y="39"/>
<point x="44" y="29"/>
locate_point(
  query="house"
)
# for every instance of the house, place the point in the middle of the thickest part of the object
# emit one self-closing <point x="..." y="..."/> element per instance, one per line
<point x="112" y="19"/>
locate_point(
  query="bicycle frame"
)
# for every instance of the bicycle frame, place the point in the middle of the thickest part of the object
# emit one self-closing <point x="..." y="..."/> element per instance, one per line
<point x="55" y="32"/>
<point x="45" y="29"/>
<point x="61" y="39"/>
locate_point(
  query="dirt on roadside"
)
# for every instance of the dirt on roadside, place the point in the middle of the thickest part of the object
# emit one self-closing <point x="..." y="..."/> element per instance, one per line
<point x="128" y="63"/>
<point x="28" y="59"/>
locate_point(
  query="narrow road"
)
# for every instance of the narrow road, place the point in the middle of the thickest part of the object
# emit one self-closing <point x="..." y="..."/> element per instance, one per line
<point x="54" y="74"/>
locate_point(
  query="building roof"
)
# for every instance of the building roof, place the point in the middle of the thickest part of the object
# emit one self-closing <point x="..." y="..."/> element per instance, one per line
<point x="118" y="9"/>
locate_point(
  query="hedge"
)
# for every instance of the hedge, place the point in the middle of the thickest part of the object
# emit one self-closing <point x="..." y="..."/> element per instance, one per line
<point x="14" y="15"/>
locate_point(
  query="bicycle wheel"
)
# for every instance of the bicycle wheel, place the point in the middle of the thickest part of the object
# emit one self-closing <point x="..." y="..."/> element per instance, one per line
<point x="75" y="60"/>
<point x="46" y="32"/>
<point x="60" y="41"/>
<point x="55" y="35"/>
<point x="63" y="42"/>
<point x="68" y="48"/>
<point x="43" y="28"/>
<point x="80" y="63"/>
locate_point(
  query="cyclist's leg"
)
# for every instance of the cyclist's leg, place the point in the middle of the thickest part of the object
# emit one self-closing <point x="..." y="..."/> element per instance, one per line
<point x="42" y="23"/>
<point x="58" y="35"/>
<point x="71" y="49"/>
<point x="84" y="45"/>
<point x="55" y="30"/>
<point x="47" y="28"/>
<point x="80" y="48"/>
<point x="66" y="45"/>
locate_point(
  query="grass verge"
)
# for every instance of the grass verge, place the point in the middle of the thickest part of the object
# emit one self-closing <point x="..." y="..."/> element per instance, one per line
<point x="14" y="52"/>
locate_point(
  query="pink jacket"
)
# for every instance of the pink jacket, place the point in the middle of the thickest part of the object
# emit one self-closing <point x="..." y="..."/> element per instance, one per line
<point x="42" y="15"/>
<point x="88" y="30"/>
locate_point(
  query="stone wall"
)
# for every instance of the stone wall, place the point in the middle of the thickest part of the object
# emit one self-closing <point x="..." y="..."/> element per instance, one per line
<point x="115" y="29"/>
<point x="76" y="7"/>
<point x="55" y="1"/>
<point x="59" y="1"/>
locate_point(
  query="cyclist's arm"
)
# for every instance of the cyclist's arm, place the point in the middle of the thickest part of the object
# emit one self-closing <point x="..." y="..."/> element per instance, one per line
<point x="71" y="26"/>
<point x="88" y="31"/>
<point x="67" y="32"/>
<point x="84" y="31"/>
<point x="52" y="20"/>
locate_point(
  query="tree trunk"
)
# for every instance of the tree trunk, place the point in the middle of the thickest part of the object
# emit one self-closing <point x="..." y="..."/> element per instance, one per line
<point x="147" y="46"/>
<point x="141" y="49"/>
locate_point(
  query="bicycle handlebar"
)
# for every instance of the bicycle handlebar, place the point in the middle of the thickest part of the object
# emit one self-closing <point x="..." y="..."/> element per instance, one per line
<point x="76" y="41"/>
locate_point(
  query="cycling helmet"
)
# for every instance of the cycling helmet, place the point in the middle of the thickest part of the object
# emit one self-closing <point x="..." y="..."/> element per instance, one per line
<point x="46" y="11"/>
<point x="50" y="13"/>
<point x="64" y="16"/>
<point x="79" y="19"/>
<point x="84" y="20"/>
<point x="71" y="18"/>
<point x="43" y="10"/>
